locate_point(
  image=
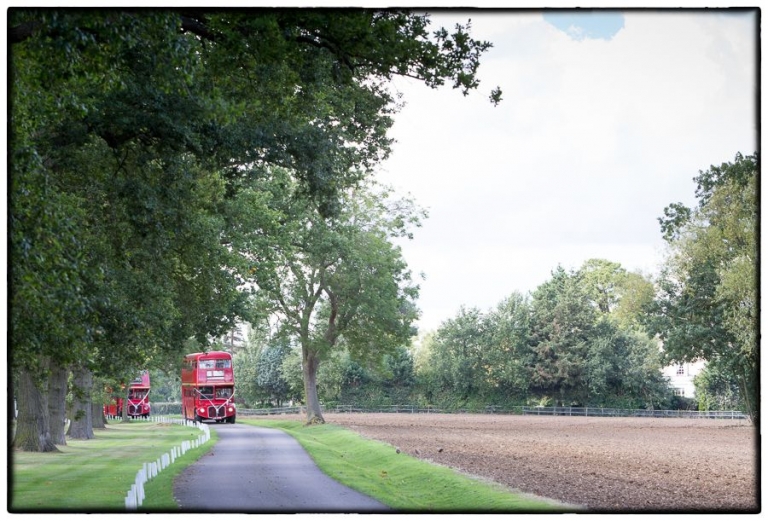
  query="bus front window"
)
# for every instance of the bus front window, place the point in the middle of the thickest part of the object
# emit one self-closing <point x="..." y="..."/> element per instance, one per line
<point x="136" y="394"/>
<point x="223" y="392"/>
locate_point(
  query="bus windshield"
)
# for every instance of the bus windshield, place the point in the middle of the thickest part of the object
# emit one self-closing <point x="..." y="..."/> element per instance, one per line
<point x="137" y="394"/>
<point x="223" y="392"/>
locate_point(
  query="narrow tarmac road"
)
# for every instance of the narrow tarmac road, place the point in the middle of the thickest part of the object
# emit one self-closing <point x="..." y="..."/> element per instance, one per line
<point x="254" y="469"/>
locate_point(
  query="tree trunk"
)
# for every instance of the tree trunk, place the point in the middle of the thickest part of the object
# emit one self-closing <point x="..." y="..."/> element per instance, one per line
<point x="748" y="387"/>
<point x="33" y="433"/>
<point x="97" y="414"/>
<point x="309" y="366"/>
<point x="81" y="423"/>
<point x="57" y="404"/>
<point x="124" y="418"/>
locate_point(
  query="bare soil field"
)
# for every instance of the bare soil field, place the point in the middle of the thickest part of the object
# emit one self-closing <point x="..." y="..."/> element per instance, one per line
<point x="601" y="464"/>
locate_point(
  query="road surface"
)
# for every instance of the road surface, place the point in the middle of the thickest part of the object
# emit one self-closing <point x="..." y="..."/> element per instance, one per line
<point x="254" y="469"/>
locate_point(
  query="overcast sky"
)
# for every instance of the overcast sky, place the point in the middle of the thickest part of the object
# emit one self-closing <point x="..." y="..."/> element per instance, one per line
<point x="605" y="120"/>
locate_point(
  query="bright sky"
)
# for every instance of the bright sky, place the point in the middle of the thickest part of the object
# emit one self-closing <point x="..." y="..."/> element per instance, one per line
<point x="605" y="120"/>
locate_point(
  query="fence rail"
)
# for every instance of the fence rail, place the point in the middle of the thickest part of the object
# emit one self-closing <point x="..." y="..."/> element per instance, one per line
<point x="646" y="413"/>
<point x="493" y="409"/>
<point x="269" y="411"/>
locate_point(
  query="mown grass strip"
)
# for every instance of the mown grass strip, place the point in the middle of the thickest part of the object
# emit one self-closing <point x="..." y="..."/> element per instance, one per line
<point x="90" y="476"/>
<point x="95" y="475"/>
<point x="405" y="483"/>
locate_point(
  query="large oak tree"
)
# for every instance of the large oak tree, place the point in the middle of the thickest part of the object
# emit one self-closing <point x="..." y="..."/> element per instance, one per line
<point x="131" y="132"/>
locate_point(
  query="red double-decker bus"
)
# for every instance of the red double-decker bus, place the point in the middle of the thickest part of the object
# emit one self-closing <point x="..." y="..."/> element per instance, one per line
<point x="208" y="387"/>
<point x="138" y="398"/>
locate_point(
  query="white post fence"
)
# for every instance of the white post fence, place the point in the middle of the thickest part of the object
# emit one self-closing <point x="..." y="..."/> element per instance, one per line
<point x="149" y="470"/>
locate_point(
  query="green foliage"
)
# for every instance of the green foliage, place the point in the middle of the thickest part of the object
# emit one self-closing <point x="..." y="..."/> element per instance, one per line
<point x="456" y="354"/>
<point x="391" y="380"/>
<point x="334" y="281"/>
<point x="707" y="304"/>
<point x="269" y="371"/>
<point x="166" y="386"/>
<point x="508" y="356"/>
<point x="399" y="368"/>
<point x="562" y="323"/>
<point x="143" y="144"/>
<point x="619" y="295"/>
<point x="717" y="390"/>
<point x="622" y="369"/>
<point x="577" y="340"/>
<point x="244" y="363"/>
<point x="262" y="369"/>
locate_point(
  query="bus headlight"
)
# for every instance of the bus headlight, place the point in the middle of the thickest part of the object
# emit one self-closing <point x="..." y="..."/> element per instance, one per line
<point x="202" y="410"/>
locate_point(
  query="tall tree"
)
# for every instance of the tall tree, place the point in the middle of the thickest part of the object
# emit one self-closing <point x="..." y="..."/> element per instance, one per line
<point x="623" y="366"/>
<point x="456" y="354"/>
<point x="508" y="354"/>
<point x="131" y="128"/>
<point x="707" y="307"/>
<point x="340" y="277"/>
<point x="562" y="322"/>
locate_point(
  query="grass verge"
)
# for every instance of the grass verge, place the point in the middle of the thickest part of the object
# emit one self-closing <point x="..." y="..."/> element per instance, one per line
<point x="405" y="483"/>
<point x="95" y="475"/>
<point x="90" y="476"/>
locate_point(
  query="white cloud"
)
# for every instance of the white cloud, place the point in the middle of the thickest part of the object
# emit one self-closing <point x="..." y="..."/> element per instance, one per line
<point x="592" y="140"/>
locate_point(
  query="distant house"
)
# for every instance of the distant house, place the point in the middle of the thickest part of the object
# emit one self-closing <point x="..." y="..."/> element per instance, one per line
<point x="681" y="377"/>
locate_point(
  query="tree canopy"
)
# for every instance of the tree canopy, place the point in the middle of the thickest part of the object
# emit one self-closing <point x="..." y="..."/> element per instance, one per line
<point x="327" y="279"/>
<point x="707" y="307"/>
<point x="135" y="140"/>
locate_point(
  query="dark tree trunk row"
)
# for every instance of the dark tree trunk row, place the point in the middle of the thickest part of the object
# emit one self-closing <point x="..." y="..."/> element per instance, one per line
<point x="42" y="412"/>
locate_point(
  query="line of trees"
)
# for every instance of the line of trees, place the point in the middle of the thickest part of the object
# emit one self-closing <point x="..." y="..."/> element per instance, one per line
<point x="175" y="171"/>
<point x="576" y="340"/>
<point x="595" y="336"/>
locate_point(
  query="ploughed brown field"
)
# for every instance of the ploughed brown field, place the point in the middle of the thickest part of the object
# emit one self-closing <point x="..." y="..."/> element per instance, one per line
<point x="600" y="464"/>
